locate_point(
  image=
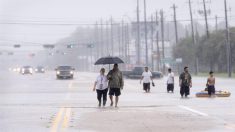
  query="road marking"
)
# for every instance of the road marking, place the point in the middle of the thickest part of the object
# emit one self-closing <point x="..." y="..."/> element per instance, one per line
<point x="192" y="110"/>
<point x="66" y="117"/>
<point x="56" y="121"/>
<point x="63" y="112"/>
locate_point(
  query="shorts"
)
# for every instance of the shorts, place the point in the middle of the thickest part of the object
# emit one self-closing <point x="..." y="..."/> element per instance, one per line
<point x="115" y="91"/>
<point x="211" y="90"/>
<point x="184" y="90"/>
<point x="170" y="87"/>
<point x="146" y="86"/>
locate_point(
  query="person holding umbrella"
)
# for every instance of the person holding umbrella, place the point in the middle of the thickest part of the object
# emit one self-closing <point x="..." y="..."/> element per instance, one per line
<point x="101" y="87"/>
<point x="115" y="84"/>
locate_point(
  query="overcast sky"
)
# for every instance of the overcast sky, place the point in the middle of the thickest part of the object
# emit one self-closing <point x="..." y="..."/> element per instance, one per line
<point x="85" y="11"/>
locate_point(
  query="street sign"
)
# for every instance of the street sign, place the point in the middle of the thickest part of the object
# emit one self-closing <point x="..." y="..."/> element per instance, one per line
<point x="167" y="60"/>
<point x="179" y="60"/>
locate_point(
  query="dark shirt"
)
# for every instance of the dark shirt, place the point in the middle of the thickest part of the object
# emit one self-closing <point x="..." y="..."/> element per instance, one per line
<point x="186" y="79"/>
<point x="115" y="79"/>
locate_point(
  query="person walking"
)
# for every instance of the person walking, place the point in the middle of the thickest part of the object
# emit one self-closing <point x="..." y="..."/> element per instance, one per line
<point x="146" y="77"/>
<point x="185" y="83"/>
<point x="101" y="87"/>
<point x="211" y="84"/>
<point x="170" y="81"/>
<point x="115" y="84"/>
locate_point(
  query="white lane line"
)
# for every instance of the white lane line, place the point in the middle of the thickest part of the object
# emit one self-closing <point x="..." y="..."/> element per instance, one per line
<point x="192" y="110"/>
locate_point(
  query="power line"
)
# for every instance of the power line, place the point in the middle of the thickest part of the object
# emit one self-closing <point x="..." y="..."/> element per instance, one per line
<point x="92" y="24"/>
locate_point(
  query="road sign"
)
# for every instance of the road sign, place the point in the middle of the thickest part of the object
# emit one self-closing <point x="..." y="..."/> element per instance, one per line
<point x="179" y="60"/>
<point x="167" y="60"/>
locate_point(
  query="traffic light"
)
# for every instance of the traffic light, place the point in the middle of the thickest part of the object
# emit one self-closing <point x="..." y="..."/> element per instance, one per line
<point x="70" y="46"/>
<point x="17" y="46"/>
<point x="90" y="46"/>
<point x="48" y="46"/>
<point x="10" y="53"/>
<point x="32" y="55"/>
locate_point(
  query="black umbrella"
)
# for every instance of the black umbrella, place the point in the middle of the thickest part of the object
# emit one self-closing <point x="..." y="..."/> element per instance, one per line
<point x="108" y="60"/>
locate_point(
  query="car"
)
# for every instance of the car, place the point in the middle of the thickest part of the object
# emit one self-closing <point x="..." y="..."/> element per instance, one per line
<point x="39" y="69"/>
<point x="26" y="70"/>
<point x="15" y="69"/>
<point x="65" y="72"/>
<point x="136" y="73"/>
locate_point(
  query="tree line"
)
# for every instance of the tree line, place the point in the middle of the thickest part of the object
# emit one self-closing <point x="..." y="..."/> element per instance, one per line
<point x="210" y="53"/>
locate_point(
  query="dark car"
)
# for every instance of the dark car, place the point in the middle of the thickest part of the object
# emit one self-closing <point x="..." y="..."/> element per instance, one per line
<point x="26" y="70"/>
<point x="136" y="73"/>
<point x="39" y="69"/>
<point x="64" y="72"/>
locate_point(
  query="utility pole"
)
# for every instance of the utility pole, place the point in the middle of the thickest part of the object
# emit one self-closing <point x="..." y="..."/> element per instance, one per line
<point x="111" y="32"/>
<point x="205" y="14"/>
<point x="97" y="40"/>
<point x="152" y="61"/>
<point x="127" y="44"/>
<point x="216" y="23"/>
<point x="145" y="35"/>
<point x="175" y="22"/>
<point x="163" y="39"/>
<point x="228" y="43"/>
<point x="193" y="37"/>
<point x="119" y="39"/>
<point x="107" y="39"/>
<point x="138" y="53"/>
<point x="123" y="39"/>
<point x="157" y="42"/>
<point x="101" y="38"/>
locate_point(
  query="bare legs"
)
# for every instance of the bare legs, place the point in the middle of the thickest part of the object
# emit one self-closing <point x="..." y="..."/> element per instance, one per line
<point x="116" y="100"/>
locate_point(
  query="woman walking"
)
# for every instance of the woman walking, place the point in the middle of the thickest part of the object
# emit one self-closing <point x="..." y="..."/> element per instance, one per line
<point x="101" y="87"/>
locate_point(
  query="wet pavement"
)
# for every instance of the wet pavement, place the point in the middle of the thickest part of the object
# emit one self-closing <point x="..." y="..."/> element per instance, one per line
<point x="41" y="103"/>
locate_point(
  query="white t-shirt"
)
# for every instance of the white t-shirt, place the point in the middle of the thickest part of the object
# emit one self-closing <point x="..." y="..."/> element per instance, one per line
<point x="147" y="77"/>
<point x="102" y="82"/>
<point x="170" y="78"/>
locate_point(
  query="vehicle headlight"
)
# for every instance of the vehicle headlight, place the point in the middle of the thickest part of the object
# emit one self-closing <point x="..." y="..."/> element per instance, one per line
<point x="43" y="70"/>
<point x="71" y="72"/>
<point x="58" y="72"/>
<point x="31" y="70"/>
<point x="36" y="69"/>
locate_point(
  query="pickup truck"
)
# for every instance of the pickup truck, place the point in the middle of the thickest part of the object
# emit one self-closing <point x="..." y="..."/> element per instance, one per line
<point x="136" y="73"/>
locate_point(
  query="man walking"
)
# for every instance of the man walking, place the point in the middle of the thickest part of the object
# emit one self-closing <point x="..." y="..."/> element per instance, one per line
<point x="146" y="77"/>
<point x="116" y="84"/>
<point x="170" y="81"/>
<point x="185" y="82"/>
